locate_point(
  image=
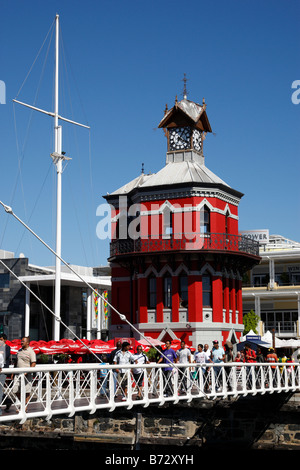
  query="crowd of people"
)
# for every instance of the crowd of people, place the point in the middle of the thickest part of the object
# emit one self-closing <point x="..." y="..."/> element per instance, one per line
<point x="171" y="360"/>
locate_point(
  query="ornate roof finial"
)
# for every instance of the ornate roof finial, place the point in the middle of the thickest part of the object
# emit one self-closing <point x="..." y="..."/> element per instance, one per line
<point x="184" y="86"/>
<point x="142" y="168"/>
<point x="166" y="109"/>
<point x="176" y="100"/>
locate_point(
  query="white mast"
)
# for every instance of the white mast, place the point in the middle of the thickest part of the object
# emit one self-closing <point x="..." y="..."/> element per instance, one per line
<point x="58" y="158"/>
<point x="58" y="163"/>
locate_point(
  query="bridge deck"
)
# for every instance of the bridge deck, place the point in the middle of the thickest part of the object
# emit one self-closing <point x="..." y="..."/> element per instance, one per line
<point x="66" y="389"/>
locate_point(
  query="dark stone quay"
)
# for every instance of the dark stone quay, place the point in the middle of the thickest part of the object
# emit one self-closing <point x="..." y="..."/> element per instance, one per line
<point x="261" y="422"/>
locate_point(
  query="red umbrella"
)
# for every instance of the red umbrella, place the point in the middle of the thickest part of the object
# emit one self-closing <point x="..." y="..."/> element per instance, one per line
<point x="53" y="347"/>
<point x="101" y="349"/>
<point x="35" y="345"/>
<point x="78" y="348"/>
<point x="14" y="345"/>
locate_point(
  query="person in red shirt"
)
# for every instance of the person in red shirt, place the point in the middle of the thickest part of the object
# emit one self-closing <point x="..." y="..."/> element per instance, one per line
<point x="249" y="356"/>
<point x="272" y="357"/>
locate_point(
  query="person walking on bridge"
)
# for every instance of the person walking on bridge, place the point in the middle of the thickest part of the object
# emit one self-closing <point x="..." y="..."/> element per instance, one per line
<point x="5" y="350"/>
<point x="184" y="356"/>
<point x="26" y="357"/>
<point x="169" y="357"/>
<point x="218" y="357"/>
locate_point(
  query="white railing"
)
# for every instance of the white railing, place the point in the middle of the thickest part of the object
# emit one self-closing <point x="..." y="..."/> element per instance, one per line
<point x="66" y="389"/>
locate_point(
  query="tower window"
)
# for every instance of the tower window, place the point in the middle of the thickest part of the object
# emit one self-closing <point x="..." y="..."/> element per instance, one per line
<point x="168" y="291"/>
<point x="167" y="222"/>
<point x="206" y="291"/>
<point x="183" y="290"/>
<point x="226" y="222"/>
<point x="152" y="292"/>
<point x="205" y="220"/>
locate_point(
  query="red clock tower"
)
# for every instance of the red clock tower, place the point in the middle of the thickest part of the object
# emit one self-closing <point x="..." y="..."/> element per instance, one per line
<point x="176" y="256"/>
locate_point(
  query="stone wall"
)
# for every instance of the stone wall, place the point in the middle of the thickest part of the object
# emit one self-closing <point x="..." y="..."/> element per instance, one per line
<point x="259" y="422"/>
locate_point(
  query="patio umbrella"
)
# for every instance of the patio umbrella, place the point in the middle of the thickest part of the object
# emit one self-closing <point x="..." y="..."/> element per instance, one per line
<point x="53" y="347"/>
<point x="98" y="348"/>
<point x="14" y="345"/>
<point x="153" y="341"/>
<point x="35" y="345"/>
<point x="79" y="347"/>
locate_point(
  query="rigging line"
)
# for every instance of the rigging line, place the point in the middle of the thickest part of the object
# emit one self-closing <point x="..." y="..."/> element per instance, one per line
<point x="51" y="27"/>
<point x="74" y="76"/>
<point x="31" y="292"/>
<point x="121" y="316"/>
<point x="81" y="172"/>
<point x="78" y="224"/>
<point x="35" y="204"/>
<point x="21" y="159"/>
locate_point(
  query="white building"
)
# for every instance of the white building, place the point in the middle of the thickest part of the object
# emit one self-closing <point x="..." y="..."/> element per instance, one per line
<point x="272" y="288"/>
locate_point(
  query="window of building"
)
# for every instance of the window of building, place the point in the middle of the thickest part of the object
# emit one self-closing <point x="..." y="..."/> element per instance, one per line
<point x="226" y="222"/>
<point x="152" y="292"/>
<point x="4" y="280"/>
<point x="281" y="321"/>
<point x="205" y="220"/>
<point x="183" y="290"/>
<point x="167" y="222"/>
<point x="206" y="290"/>
<point x="168" y="291"/>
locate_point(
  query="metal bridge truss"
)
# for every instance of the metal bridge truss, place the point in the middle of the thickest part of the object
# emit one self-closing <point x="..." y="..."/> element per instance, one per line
<point x="45" y="391"/>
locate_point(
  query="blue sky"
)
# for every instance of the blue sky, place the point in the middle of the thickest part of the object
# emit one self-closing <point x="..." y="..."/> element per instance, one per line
<point x="122" y="62"/>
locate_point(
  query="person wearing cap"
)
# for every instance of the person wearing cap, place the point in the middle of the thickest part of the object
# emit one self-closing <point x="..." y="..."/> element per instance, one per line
<point x="168" y="357"/>
<point x="218" y="357"/>
<point x="122" y="357"/>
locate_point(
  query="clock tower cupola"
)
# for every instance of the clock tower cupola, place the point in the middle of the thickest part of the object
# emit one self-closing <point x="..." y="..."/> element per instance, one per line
<point x="186" y="126"/>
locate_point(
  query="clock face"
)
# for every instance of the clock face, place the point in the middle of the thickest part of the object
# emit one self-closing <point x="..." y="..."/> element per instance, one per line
<point x="197" y="140"/>
<point x="180" y="138"/>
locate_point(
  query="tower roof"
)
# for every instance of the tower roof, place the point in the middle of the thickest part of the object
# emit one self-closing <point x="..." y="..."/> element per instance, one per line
<point x="177" y="173"/>
<point x="188" y="110"/>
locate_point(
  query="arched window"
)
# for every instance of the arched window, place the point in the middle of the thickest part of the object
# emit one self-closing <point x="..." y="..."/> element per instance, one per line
<point x="152" y="292"/>
<point x="206" y="290"/>
<point x="183" y="290"/>
<point x="226" y="222"/>
<point x="205" y="220"/>
<point x="167" y="222"/>
<point x="167" y="291"/>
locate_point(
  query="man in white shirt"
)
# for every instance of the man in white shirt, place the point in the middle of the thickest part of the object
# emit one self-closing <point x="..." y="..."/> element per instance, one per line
<point x="218" y="357"/>
<point x="26" y="357"/>
<point x="138" y="373"/>
<point x="184" y="356"/>
<point x="122" y="357"/>
<point x="202" y="357"/>
<point x="207" y="351"/>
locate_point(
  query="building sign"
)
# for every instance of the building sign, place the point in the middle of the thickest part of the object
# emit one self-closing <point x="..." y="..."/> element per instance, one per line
<point x="261" y="236"/>
<point x="253" y="338"/>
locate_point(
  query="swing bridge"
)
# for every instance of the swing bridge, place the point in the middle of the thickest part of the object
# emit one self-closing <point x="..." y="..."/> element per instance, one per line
<point x="65" y="389"/>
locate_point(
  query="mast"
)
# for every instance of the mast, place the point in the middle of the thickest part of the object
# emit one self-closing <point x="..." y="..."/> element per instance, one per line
<point x="58" y="163"/>
<point x="58" y="159"/>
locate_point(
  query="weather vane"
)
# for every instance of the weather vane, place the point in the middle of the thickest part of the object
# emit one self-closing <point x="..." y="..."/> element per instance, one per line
<point x="184" y="86"/>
